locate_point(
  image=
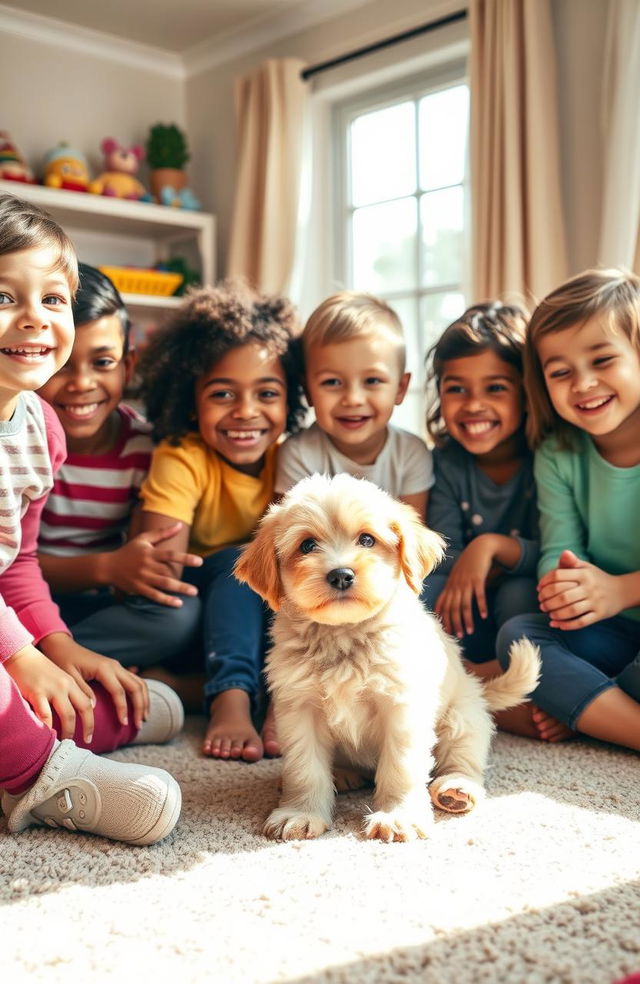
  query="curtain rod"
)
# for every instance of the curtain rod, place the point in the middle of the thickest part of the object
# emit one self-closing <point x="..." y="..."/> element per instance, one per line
<point x="307" y="73"/>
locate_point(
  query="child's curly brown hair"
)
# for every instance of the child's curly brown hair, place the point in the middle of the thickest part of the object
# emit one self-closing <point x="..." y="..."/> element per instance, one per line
<point x="212" y="321"/>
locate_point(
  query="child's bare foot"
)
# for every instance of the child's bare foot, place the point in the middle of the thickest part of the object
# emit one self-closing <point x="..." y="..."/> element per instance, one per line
<point x="270" y="734"/>
<point x="230" y="734"/>
<point x="518" y="721"/>
<point x="549" y="728"/>
<point x="530" y="721"/>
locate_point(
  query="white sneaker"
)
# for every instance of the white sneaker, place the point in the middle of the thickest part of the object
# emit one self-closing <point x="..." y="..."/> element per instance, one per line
<point x="137" y="804"/>
<point x="166" y="715"/>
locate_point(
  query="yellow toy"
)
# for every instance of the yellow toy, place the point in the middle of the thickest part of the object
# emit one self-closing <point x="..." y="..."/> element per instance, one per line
<point x="66" y="168"/>
<point x="119" y="181"/>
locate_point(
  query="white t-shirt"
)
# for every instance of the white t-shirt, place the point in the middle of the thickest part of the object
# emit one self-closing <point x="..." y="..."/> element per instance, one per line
<point x="403" y="467"/>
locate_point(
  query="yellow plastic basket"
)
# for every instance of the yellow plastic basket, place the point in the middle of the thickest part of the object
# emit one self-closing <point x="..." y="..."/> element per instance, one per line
<point x="132" y="280"/>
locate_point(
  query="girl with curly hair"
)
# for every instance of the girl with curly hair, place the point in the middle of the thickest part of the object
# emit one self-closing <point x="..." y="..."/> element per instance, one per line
<point x="221" y="386"/>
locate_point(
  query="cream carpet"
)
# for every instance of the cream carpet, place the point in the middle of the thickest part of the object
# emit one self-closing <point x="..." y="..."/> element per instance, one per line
<point x="540" y="884"/>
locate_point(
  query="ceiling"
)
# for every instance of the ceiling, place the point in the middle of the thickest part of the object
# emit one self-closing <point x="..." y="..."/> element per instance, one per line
<point x="173" y="26"/>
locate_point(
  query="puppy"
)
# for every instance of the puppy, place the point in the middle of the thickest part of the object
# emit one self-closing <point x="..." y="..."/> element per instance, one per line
<point x="361" y="675"/>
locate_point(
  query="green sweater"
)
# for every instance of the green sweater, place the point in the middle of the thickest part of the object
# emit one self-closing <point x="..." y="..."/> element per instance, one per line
<point x="588" y="506"/>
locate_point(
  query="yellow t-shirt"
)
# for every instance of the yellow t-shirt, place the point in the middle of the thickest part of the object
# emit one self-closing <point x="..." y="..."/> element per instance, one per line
<point x="193" y="484"/>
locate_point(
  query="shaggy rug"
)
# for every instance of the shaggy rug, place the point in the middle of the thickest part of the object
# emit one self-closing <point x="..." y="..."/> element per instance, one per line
<point x="539" y="884"/>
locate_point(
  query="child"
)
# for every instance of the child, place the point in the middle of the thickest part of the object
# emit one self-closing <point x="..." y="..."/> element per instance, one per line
<point x="354" y="356"/>
<point x="45" y="780"/>
<point x="88" y="512"/>
<point x="483" y="498"/>
<point x="582" y="373"/>
<point x="221" y="386"/>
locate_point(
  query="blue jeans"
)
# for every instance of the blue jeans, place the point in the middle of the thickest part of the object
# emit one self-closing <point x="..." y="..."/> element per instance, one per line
<point x="512" y="596"/>
<point x="136" y="631"/>
<point x="234" y="627"/>
<point x="577" y="665"/>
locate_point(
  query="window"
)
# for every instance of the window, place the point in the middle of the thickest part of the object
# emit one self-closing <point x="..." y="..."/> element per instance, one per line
<point x="402" y="207"/>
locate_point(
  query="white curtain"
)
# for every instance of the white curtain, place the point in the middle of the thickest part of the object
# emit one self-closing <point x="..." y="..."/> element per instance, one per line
<point x="621" y="126"/>
<point x="271" y="106"/>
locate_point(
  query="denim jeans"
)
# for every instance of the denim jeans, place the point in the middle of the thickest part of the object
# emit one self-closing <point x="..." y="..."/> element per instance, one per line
<point x="577" y="665"/>
<point x="234" y="626"/>
<point x="136" y="632"/>
<point x="512" y="596"/>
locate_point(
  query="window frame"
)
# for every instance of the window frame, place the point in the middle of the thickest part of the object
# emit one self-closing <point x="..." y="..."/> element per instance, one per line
<point x="343" y="111"/>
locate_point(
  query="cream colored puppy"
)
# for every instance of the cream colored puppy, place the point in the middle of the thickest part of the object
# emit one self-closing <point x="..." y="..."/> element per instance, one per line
<point x="362" y="676"/>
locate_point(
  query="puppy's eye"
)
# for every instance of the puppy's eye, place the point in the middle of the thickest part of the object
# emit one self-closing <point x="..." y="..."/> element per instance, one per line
<point x="308" y="545"/>
<point x="366" y="540"/>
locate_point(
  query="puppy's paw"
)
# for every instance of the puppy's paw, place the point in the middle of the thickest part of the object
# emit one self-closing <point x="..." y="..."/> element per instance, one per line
<point x="346" y="780"/>
<point x="455" y="793"/>
<point x="398" y="826"/>
<point x="287" y="824"/>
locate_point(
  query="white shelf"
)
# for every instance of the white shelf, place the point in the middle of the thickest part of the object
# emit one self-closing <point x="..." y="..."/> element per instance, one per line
<point x="162" y="224"/>
<point x="151" y="302"/>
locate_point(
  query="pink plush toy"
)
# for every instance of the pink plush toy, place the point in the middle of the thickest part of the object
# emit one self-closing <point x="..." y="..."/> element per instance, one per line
<point x="118" y="180"/>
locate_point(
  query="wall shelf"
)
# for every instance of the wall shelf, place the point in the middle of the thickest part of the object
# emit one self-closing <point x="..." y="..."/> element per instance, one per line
<point x="162" y="225"/>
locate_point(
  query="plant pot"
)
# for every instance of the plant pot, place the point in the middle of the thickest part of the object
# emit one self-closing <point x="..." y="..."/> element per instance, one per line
<point x="166" y="177"/>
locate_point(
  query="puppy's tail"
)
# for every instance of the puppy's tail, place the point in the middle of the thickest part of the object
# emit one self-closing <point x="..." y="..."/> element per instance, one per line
<point x="514" y="686"/>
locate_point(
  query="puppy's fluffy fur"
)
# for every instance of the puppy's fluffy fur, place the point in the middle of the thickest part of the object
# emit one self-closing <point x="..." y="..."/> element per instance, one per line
<point x="362" y="676"/>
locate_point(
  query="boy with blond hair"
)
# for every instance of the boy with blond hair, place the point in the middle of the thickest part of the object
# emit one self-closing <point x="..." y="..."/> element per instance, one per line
<point x="354" y="355"/>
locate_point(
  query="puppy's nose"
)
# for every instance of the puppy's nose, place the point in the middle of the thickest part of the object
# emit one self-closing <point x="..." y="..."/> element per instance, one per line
<point x="341" y="578"/>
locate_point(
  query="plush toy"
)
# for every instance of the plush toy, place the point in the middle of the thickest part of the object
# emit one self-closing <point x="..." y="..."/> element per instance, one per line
<point x="179" y="198"/>
<point x="66" y="168"/>
<point x="12" y="165"/>
<point x="118" y="180"/>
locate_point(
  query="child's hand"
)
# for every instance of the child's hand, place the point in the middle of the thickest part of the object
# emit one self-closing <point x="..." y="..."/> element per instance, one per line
<point x="577" y="593"/>
<point x="84" y="665"/>
<point x="143" y="567"/>
<point x="45" y="686"/>
<point x="467" y="581"/>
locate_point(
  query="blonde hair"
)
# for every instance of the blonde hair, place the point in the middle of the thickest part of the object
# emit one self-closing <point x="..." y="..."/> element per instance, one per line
<point x="492" y="325"/>
<point x="352" y="314"/>
<point x="613" y="294"/>
<point x="24" y="225"/>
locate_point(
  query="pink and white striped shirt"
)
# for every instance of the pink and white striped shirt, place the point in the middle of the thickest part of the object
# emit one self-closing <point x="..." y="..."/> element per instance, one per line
<point x="90" y="504"/>
<point x="31" y="450"/>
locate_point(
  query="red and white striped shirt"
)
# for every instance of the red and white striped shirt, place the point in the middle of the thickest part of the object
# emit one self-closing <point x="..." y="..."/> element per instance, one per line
<point x="89" y="506"/>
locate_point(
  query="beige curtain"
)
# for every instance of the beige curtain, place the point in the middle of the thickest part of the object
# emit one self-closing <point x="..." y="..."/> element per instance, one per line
<point x="270" y="108"/>
<point x="518" y="245"/>
<point x="619" y="239"/>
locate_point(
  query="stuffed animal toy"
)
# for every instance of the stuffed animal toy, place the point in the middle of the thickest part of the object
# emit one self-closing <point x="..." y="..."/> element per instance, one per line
<point x="180" y="198"/>
<point x="12" y="165"/>
<point x="66" y="168"/>
<point x="118" y="180"/>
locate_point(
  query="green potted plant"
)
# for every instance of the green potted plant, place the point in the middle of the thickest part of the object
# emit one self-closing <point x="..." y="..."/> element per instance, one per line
<point x="167" y="155"/>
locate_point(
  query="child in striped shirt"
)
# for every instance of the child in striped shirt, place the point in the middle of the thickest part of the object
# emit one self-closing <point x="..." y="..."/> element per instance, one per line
<point x="106" y="585"/>
<point x="59" y="701"/>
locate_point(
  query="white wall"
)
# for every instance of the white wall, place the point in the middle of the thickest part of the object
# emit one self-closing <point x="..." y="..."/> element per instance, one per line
<point x="51" y="94"/>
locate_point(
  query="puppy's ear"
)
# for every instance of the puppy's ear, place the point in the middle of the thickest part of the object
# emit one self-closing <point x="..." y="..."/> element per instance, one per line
<point x="420" y="548"/>
<point x="257" y="565"/>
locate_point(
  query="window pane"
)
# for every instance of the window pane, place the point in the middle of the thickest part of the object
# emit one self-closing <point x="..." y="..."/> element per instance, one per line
<point x="384" y="238"/>
<point x="437" y="312"/>
<point x="383" y="156"/>
<point x="443" y="123"/>
<point x="442" y="216"/>
<point x="407" y="310"/>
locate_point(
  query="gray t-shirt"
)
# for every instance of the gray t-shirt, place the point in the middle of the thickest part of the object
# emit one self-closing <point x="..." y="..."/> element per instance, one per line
<point x="403" y="467"/>
<point x="464" y="502"/>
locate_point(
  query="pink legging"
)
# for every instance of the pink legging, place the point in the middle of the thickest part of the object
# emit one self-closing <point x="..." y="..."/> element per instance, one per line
<point x="25" y="742"/>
